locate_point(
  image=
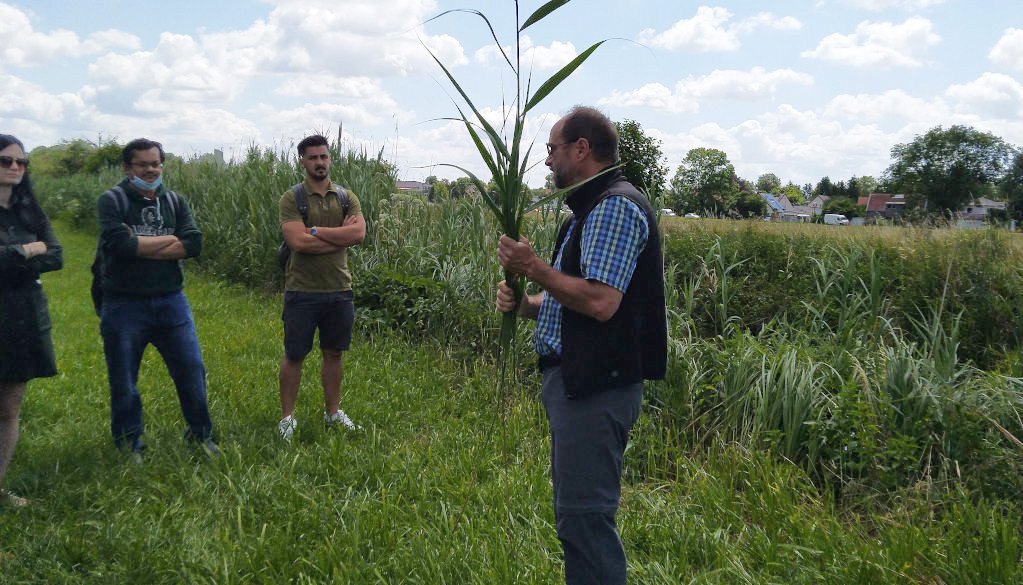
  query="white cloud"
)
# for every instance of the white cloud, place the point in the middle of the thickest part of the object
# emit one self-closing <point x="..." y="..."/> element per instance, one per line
<point x="878" y="44"/>
<point x="709" y="31"/>
<point x="703" y="33"/>
<point x="992" y="95"/>
<point x="798" y="145"/>
<point x="361" y="99"/>
<point x="1008" y="51"/>
<point x="554" y="56"/>
<point x="653" y="95"/>
<point x="366" y="37"/>
<point x="894" y="104"/>
<point x="908" y="5"/>
<point x="770" y="21"/>
<point x="177" y="70"/>
<point x="754" y="84"/>
<point x="28" y="101"/>
<point x="21" y="46"/>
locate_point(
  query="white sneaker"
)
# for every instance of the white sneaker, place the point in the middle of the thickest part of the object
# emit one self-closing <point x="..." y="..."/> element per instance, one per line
<point x="286" y="427"/>
<point x="341" y="418"/>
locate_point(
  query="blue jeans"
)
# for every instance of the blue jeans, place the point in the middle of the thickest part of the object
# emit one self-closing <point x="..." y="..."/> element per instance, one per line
<point x="128" y="325"/>
<point x="588" y="439"/>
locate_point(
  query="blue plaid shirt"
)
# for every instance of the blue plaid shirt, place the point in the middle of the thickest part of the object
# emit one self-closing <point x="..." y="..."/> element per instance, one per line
<point x="615" y="233"/>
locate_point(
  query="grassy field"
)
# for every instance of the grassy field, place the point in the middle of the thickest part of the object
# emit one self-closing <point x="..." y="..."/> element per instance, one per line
<point x="445" y="485"/>
<point x="887" y="233"/>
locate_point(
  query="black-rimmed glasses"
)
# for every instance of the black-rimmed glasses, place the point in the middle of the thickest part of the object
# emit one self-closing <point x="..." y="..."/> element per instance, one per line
<point x="552" y="147"/>
<point x="7" y="161"/>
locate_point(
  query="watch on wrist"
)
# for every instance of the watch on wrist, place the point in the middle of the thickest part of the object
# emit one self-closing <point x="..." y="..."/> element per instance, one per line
<point x="312" y="231"/>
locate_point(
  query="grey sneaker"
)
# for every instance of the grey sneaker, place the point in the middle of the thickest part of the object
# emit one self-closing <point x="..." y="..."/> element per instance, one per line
<point x="287" y="427"/>
<point x="340" y="418"/>
<point x="13" y="500"/>
<point x="209" y="446"/>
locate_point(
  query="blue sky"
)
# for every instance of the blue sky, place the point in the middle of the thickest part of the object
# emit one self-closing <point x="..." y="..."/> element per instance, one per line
<point x="800" y="89"/>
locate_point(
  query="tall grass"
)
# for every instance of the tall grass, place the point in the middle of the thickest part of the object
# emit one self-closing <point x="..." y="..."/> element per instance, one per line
<point x="411" y="499"/>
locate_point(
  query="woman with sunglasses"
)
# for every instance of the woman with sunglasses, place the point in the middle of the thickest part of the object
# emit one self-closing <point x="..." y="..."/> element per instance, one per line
<point x="28" y="247"/>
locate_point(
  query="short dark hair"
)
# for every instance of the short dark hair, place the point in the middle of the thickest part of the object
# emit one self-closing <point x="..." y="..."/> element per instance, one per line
<point x="140" y="144"/>
<point x="596" y="128"/>
<point x="314" y="140"/>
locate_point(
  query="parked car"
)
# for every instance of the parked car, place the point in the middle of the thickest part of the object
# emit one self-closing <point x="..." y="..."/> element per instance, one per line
<point x="668" y="212"/>
<point x="835" y="219"/>
<point x="692" y="215"/>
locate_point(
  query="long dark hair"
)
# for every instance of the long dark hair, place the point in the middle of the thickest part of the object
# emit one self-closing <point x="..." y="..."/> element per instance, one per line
<point x="23" y="198"/>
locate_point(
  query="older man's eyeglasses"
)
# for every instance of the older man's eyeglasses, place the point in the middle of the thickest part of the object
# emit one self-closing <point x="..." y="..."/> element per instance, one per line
<point x="7" y="161"/>
<point x="552" y="147"/>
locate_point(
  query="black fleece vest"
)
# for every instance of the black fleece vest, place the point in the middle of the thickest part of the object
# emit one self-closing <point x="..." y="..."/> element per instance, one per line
<point x="633" y="344"/>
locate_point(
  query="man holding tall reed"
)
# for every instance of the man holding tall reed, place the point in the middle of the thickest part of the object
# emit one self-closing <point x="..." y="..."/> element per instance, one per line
<point x="601" y="330"/>
<point x="318" y="284"/>
<point x="147" y="231"/>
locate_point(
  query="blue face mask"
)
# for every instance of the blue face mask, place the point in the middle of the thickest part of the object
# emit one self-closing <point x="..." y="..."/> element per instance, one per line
<point x="144" y="186"/>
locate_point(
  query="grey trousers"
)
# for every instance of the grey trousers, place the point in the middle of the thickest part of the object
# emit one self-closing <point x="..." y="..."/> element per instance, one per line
<point x="588" y="438"/>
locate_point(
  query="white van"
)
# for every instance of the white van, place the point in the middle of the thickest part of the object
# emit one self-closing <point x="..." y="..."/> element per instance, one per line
<point x="835" y="219"/>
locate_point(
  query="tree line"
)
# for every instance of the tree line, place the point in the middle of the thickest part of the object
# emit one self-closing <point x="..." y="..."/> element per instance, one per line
<point x="939" y="172"/>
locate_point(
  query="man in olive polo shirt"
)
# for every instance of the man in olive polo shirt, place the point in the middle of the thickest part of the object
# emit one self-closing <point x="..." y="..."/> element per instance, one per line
<point x="318" y="284"/>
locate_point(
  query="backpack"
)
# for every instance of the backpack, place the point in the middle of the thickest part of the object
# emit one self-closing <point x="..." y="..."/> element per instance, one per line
<point x="121" y="201"/>
<point x="302" y="202"/>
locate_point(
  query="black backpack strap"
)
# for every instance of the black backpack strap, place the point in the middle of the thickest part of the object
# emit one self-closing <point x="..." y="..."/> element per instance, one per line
<point x="301" y="201"/>
<point x="342" y="199"/>
<point x="172" y="201"/>
<point x="120" y="200"/>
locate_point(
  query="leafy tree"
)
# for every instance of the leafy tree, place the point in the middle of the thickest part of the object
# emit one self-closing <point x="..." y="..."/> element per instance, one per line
<point x="107" y="156"/>
<point x="852" y="188"/>
<point x="949" y="168"/>
<point x="1012" y="188"/>
<point x="460" y="187"/>
<point x="642" y="159"/>
<point x="794" y="193"/>
<point x="439" y="191"/>
<point x="749" y="203"/>
<point x="768" y="183"/>
<point x="846" y="207"/>
<point x="824" y="187"/>
<point x="866" y="185"/>
<point x="705" y="182"/>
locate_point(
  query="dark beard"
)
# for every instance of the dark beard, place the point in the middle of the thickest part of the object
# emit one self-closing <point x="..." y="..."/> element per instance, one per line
<point x="560" y="180"/>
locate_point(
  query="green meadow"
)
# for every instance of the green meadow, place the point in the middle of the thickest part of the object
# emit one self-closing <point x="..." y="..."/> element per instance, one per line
<point x="840" y="407"/>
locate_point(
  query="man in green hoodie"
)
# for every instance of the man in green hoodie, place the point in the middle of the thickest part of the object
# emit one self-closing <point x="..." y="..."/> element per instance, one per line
<point x="147" y="231"/>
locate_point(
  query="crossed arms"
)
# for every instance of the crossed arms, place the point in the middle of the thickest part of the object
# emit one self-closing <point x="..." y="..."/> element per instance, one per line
<point x="351" y="232"/>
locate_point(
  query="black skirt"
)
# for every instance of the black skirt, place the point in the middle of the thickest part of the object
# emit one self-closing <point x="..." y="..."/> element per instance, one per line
<point x="26" y="350"/>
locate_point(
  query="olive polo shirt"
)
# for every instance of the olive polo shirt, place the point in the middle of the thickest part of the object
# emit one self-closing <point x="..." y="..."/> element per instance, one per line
<point x="318" y="272"/>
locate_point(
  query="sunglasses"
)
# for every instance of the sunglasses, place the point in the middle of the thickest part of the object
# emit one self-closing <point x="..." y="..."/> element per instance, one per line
<point x="7" y="161"/>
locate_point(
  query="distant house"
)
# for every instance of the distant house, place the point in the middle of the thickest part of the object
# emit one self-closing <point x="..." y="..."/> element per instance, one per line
<point x="413" y="187"/>
<point x="980" y="208"/>
<point x="774" y="207"/>
<point x="883" y="205"/>
<point x="798" y="213"/>
<point x="817" y="203"/>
